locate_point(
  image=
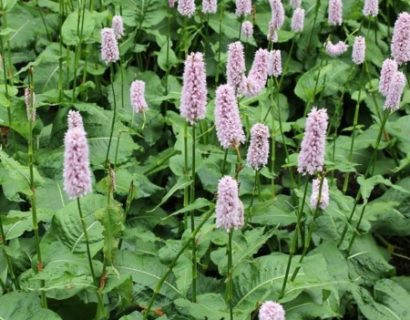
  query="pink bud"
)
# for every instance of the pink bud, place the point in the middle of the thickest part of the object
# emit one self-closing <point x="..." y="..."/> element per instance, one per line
<point x="271" y="311"/>
<point x="312" y="153"/>
<point x="258" y="151"/>
<point x="247" y="29"/>
<point x="298" y="20"/>
<point x="335" y="12"/>
<point x="335" y="50"/>
<point x="229" y="208"/>
<point x="77" y="173"/>
<point x="109" y="46"/>
<point x="359" y="50"/>
<point x="118" y="26"/>
<point x="400" y="46"/>
<point x="324" y="194"/>
<point x="194" y="91"/>
<point x="396" y="87"/>
<point x="30" y="101"/>
<point x="371" y="8"/>
<point x="209" y="6"/>
<point x="227" y="119"/>
<point x="275" y="63"/>
<point x="389" y="68"/>
<point x="243" y="7"/>
<point x="137" y="96"/>
<point x="235" y="68"/>
<point x="186" y="7"/>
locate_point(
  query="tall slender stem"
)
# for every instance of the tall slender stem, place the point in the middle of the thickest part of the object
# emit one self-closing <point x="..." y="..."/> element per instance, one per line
<point x="6" y="89"/>
<point x="218" y="65"/>
<point x="80" y="28"/>
<point x="229" y="275"/>
<point x="224" y="161"/>
<point x="314" y="24"/>
<point x="192" y="198"/>
<point x="250" y="208"/>
<point x="113" y="116"/>
<point x="173" y="263"/>
<point x="60" y="58"/>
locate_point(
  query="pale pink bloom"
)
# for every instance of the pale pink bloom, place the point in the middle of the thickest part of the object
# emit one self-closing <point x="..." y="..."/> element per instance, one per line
<point x="229" y="208"/>
<point x="335" y="12"/>
<point x="359" y="50"/>
<point x="30" y="101"/>
<point x="209" y="6"/>
<point x="77" y="173"/>
<point x="171" y="3"/>
<point x="337" y="49"/>
<point x="324" y="194"/>
<point x="258" y="75"/>
<point x="186" y="7"/>
<point x="396" y="87"/>
<point x="298" y="20"/>
<point x="271" y="311"/>
<point x="389" y="68"/>
<point x="118" y="26"/>
<point x="258" y="151"/>
<point x="137" y="96"/>
<point x="243" y="7"/>
<point x="278" y="14"/>
<point x="400" y="46"/>
<point x="227" y="119"/>
<point x="247" y="29"/>
<point x="109" y="46"/>
<point x="235" y="68"/>
<point x="194" y="90"/>
<point x="74" y="120"/>
<point x="295" y="3"/>
<point x="312" y="153"/>
<point x="371" y="8"/>
<point x="275" y="63"/>
<point x="272" y="32"/>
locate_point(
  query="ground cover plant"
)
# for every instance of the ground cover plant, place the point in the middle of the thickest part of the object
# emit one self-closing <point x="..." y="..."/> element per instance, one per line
<point x="210" y="159"/>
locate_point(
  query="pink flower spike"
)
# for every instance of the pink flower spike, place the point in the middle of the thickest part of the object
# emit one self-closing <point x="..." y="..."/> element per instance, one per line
<point x="109" y="46"/>
<point x="227" y="119"/>
<point x="298" y="20"/>
<point x="389" y="68"/>
<point x="30" y="102"/>
<point x="400" y="46"/>
<point x="271" y="311"/>
<point x="335" y="50"/>
<point x="247" y="29"/>
<point x="186" y="7"/>
<point x="295" y="3"/>
<point x="272" y="32"/>
<point x="243" y="7"/>
<point x="396" y="87"/>
<point x="371" y="8"/>
<point x="194" y="91"/>
<point x="278" y="14"/>
<point x="258" y="75"/>
<point x="74" y="120"/>
<point x="275" y="63"/>
<point x="229" y="208"/>
<point x="335" y="12"/>
<point x="258" y="151"/>
<point x="359" y="50"/>
<point x="235" y="68"/>
<point x="137" y="96"/>
<point x="324" y="194"/>
<point x="209" y="6"/>
<point x="77" y="173"/>
<point x="312" y="153"/>
<point x="118" y="26"/>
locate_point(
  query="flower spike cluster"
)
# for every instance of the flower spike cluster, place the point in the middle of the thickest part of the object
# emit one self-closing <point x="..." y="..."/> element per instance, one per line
<point x="194" y="90"/>
<point x="209" y="6"/>
<point x="335" y="12"/>
<point x="235" y="69"/>
<point x="278" y="14"/>
<point x="258" y="75"/>
<point x="186" y="7"/>
<point x="324" y="194"/>
<point x="77" y="173"/>
<point x="275" y="63"/>
<point x="389" y="68"/>
<point x="137" y="96"/>
<point x="335" y="50"/>
<point x="243" y="7"/>
<point x="359" y="50"/>
<point x="312" y="153"/>
<point x="271" y="311"/>
<point x="371" y="8"/>
<point x="247" y="29"/>
<point x="298" y="20"/>
<point x="400" y="46"/>
<point x="258" y="151"/>
<point x="109" y="46"/>
<point x="227" y="119"/>
<point x="118" y="26"/>
<point x="229" y="208"/>
<point x="396" y="87"/>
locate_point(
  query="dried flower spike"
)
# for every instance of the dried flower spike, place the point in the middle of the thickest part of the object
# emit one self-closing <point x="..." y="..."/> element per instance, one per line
<point x="194" y="91"/>
<point x="30" y="102"/>
<point x="229" y="208"/>
<point x="312" y="153"/>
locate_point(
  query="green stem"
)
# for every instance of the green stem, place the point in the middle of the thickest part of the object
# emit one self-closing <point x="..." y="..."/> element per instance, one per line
<point x="113" y="116"/>
<point x="6" y="89"/>
<point x="192" y="198"/>
<point x="224" y="161"/>
<point x="80" y="28"/>
<point x="60" y="58"/>
<point x="173" y="263"/>
<point x="250" y="208"/>
<point x="314" y="24"/>
<point x="218" y="65"/>
<point x="230" y="273"/>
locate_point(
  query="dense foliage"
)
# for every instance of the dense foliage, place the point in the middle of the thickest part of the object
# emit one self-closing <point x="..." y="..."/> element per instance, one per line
<point x="150" y="218"/>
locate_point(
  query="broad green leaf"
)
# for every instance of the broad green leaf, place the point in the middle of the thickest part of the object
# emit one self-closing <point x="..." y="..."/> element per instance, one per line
<point x="394" y="297"/>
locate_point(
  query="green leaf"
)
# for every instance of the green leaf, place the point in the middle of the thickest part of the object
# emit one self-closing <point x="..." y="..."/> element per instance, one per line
<point x="71" y="26"/>
<point x="367" y="185"/>
<point x="209" y="306"/>
<point x="394" y="297"/>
